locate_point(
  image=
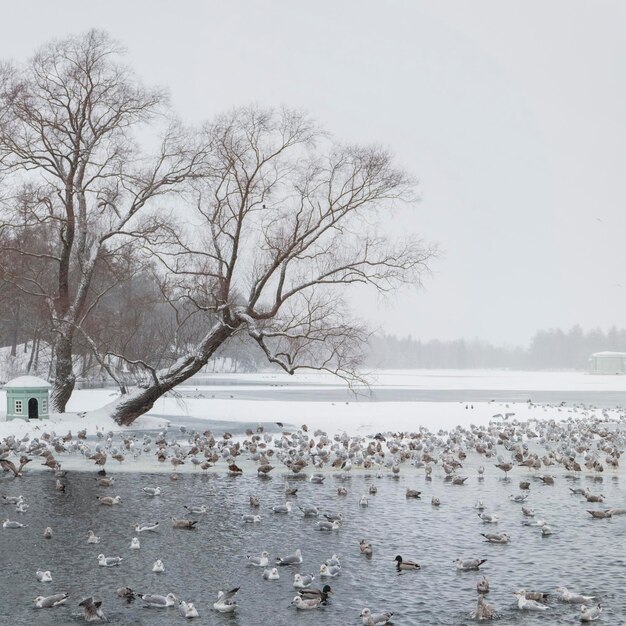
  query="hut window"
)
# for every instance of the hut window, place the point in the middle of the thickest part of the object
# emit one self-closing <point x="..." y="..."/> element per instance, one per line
<point x="18" y="406"/>
<point x="44" y="406"/>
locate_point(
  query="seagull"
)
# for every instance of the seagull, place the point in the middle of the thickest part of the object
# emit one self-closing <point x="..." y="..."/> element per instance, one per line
<point x="483" y="610"/>
<point x="327" y="526"/>
<point x="469" y="564"/>
<point x="109" y="561"/>
<point x="159" y="602"/>
<point x="152" y="491"/>
<point x="302" y="581"/>
<point x="291" y="559"/>
<point x="482" y="586"/>
<point x="43" y="576"/>
<point x="500" y="538"/>
<point x="187" y="609"/>
<point x="47" y="534"/>
<point x="251" y="519"/>
<point x="366" y="547"/>
<point x="92" y="611"/>
<point x="187" y="524"/>
<point x="489" y="518"/>
<point x="374" y="619"/>
<point x="329" y="571"/>
<point x="309" y="510"/>
<point x="9" y="524"/>
<point x="363" y="501"/>
<point x="226" y="602"/>
<point x="271" y="574"/>
<point x="590" y="614"/>
<point x="134" y="544"/>
<point x="148" y="527"/>
<point x="259" y="561"/>
<point x="108" y="500"/>
<point x="282" y="508"/>
<point x="197" y="510"/>
<point x="91" y="537"/>
<point x="306" y="603"/>
<point x="528" y="605"/>
<point x="158" y="566"/>
<point x="565" y="595"/>
<point x="48" y="602"/>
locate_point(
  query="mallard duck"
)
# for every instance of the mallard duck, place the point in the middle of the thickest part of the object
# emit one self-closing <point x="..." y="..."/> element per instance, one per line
<point x="312" y="593"/>
<point x="405" y="565"/>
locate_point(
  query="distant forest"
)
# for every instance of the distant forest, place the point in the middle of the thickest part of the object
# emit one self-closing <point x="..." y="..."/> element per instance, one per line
<point x="551" y="349"/>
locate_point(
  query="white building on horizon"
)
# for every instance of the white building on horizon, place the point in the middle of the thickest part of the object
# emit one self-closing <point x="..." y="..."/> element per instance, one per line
<point x="607" y="363"/>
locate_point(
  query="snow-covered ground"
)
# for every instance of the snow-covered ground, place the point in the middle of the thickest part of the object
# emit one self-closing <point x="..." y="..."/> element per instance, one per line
<point x="357" y="416"/>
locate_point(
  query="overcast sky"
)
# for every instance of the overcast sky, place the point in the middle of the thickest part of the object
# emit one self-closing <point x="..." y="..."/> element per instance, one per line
<point x="512" y="115"/>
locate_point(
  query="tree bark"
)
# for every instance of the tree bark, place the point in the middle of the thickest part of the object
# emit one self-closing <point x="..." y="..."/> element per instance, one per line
<point x="142" y="399"/>
<point x="64" y="374"/>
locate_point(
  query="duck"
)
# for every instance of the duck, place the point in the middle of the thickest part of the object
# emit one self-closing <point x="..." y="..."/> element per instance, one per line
<point x="401" y="564"/>
<point x="312" y="592"/>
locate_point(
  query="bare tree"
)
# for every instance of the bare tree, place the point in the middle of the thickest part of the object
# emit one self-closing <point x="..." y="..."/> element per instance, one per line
<point x="69" y="122"/>
<point x="287" y="222"/>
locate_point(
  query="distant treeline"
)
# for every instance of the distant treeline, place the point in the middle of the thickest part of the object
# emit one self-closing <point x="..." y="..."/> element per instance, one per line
<point x="551" y="349"/>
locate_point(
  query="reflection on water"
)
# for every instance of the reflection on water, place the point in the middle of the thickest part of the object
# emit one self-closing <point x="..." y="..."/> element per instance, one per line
<point x="584" y="554"/>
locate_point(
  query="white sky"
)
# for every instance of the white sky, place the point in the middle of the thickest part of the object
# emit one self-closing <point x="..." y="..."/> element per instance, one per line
<point x="511" y="114"/>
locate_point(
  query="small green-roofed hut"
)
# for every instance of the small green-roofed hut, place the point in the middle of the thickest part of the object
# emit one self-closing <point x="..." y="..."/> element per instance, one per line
<point x="27" y="398"/>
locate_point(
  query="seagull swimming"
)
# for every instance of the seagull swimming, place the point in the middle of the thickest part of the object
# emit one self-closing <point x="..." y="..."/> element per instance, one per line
<point x="158" y="566"/>
<point x="134" y="544"/>
<point x="259" y="561"/>
<point x="226" y="602"/>
<point x="271" y="574"/>
<point x="91" y="537"/>
<point x="565" y="595"/>
<point x="590" y="614"/>
<point x="187" y="609"/>
<point x="469" y="564"/>
<point x="148" y="527"/>
<point x="291" y="559"/>
<point x="374" y="619"/>
<point x="47" y="602"/>
<point x="92" y="611"/>
<point x="528" y="605"/>
<point x="43" y="576"/>
<point x="306" y="603"/>
<point x="157" y="601"/>
<point x="302" y="581"/>
<point x="109" y="561"/>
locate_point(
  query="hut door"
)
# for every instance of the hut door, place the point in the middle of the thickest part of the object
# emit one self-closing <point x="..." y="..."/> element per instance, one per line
<point x="33" y="409"/>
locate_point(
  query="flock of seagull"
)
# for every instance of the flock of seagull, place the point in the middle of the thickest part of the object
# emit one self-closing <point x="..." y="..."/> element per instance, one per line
<point x="582" y="442"/>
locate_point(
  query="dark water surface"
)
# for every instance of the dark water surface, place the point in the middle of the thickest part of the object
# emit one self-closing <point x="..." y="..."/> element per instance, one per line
<point x="583" y="554"/>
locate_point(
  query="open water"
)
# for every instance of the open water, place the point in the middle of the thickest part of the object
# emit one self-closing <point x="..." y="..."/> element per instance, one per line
<point x="584" y="554"/>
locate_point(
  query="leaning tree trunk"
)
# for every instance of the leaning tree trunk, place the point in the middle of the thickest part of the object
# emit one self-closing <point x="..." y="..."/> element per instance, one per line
<point x="142" y="399"/>
<point x="64" y="374"/>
